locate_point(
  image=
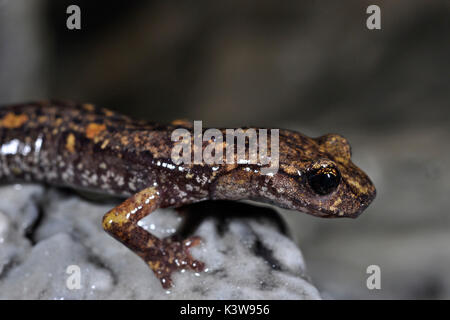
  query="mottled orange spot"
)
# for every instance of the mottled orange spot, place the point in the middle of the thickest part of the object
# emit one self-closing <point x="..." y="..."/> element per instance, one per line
<point x="108" y="113"/>
<point x="182" y="122"/>
<point x="12" y="120"/>
<point x="42" y="119"/>
<point x="58" y="121"/>
<point x="104" y="144"/>
<point x="70" y="143"/>
<point x="93" y="129"/>
<point x="124" y="140"/>
<point x="229" y="167"/>
<point x="88" y="107"/>
<point x="154" y="265"/>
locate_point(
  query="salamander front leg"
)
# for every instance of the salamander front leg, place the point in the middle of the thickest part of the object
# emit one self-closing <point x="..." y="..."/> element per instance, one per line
<point x="163" y="256"/>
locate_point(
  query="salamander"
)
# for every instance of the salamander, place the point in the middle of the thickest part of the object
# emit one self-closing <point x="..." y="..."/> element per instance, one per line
<point x="88" y="147"/>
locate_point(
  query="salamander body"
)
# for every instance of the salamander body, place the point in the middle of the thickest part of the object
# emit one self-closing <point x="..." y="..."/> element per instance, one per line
<point x="82" y="146"/>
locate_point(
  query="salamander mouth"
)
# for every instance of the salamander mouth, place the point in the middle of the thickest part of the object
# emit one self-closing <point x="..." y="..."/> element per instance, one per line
<point x="363" y="202"/>
<point x="350" y="210"/>
<point x="319" y="212"/>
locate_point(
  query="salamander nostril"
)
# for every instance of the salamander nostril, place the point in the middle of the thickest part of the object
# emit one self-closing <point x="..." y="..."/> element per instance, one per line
<point x="324" y="180"/>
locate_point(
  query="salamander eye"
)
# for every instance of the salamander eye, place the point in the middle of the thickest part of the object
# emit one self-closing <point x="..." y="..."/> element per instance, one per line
<point x="324" y="180"/>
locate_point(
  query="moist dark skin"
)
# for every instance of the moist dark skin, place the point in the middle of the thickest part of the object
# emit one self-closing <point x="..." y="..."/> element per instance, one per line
<point x="82" y="146"/>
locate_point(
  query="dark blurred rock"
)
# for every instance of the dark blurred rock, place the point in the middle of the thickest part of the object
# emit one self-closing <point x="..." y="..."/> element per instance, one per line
<point x="23" y="51"/>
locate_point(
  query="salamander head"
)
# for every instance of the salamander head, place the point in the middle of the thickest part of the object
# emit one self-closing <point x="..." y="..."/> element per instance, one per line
<point x="317" y="176"/>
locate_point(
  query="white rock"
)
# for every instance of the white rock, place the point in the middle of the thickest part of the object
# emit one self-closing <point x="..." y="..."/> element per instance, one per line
<point x="245" y="257"/>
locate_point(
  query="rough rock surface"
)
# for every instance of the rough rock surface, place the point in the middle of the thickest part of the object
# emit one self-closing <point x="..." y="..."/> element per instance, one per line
<point x="43" y="231"/>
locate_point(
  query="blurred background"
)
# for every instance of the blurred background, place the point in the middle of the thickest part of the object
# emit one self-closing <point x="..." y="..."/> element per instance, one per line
<point x="311" y="66"/>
